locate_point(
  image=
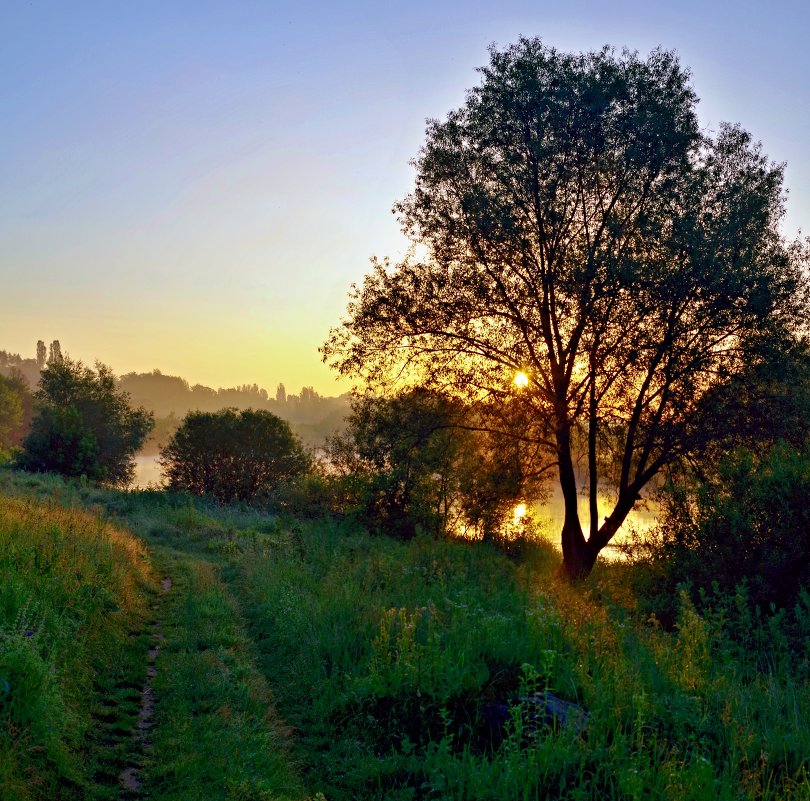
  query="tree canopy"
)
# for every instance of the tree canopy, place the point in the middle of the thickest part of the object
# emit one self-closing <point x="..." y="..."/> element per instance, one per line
<point x="84" y="425"/>
<point x="581" y="229"/>
<point x="12" y="396"/>
<point x="232" y="455"/>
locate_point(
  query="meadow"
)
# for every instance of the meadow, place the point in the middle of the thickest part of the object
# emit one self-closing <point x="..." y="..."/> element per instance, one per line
<point x="288" y="658"/>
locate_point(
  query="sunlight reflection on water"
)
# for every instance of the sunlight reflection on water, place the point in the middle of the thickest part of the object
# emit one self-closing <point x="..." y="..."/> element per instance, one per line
<point x="549" y="515"/>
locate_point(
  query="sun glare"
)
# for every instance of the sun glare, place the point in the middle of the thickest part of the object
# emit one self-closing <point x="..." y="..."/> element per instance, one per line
<point x="521" y="380"/>
<point x="518" y="513"/>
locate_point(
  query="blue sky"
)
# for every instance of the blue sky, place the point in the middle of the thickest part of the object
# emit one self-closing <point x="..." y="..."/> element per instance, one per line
<point x="194" y="186"/>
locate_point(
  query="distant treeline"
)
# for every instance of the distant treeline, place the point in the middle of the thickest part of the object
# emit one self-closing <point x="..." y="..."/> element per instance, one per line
<point x="13" y="362"/>
<point x="312" y="416"/>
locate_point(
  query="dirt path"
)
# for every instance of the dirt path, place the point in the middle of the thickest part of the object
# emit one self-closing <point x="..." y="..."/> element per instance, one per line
<point x="130" y="778"/>
<point x="205" y="729"/>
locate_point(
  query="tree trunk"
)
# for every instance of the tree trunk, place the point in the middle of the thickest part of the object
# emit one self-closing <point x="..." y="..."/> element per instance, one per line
<point x="578" y="555"/>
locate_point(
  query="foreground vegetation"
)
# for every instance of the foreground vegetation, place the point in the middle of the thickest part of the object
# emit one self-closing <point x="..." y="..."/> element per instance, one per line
<point x="389" y="662"/>
<point x="74" y="601"/>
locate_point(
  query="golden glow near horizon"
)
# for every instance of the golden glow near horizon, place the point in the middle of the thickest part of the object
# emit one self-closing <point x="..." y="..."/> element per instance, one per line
<point x="521" y="380"/>
<point x="518" y="513"/>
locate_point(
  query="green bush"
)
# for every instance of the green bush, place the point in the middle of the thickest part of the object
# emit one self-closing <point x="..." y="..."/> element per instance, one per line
<point x="232" y="455"/>
<point x="422" y="461"/>
<point x="748" y="522"/>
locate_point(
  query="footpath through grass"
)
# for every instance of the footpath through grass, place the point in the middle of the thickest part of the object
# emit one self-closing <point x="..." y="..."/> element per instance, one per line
<point x="216" y="735"/>
<point x="80" y="610"/>
<point x="393" y="664"/>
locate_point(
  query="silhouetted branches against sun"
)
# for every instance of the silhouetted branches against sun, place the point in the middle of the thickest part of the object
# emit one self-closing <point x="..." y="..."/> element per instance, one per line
<point x="581" y="229"/>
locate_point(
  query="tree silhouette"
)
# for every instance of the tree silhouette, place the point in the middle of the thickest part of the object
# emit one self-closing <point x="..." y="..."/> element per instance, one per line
<point x="232" y="455"/>
<point x="55" y="352"/>
<point x="84" y="425"/>
<point x="42" y="354"/>
<point x="581" y="230"/>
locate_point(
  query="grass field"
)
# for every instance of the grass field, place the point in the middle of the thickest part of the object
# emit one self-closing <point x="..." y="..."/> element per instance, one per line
<point x="294" y="658"/>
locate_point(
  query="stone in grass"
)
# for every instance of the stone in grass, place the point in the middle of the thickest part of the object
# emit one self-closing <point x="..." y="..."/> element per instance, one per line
<point x="539" y="711"/>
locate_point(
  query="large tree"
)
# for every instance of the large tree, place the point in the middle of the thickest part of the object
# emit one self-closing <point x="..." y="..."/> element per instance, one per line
<point x="84" y="425"/>
<point x="579" y="228"/>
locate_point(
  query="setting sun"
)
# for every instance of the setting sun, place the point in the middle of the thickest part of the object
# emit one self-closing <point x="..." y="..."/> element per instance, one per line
<point x="521" y="380"/>
<point x="518" y="513"/>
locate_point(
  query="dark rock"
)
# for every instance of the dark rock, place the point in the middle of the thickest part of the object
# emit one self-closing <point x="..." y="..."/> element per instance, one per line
<point x="539" y="712"/>
<point x="549" y="710"/>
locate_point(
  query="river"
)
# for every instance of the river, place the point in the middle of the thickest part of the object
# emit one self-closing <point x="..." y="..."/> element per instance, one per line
<point x="550" y="514"/>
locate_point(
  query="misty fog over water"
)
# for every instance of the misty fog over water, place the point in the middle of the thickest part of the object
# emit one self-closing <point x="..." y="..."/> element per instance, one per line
<point x="147" y="471"/>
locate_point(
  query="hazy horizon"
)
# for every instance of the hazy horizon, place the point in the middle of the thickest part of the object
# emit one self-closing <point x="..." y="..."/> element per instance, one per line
<point x="194" y="188"/>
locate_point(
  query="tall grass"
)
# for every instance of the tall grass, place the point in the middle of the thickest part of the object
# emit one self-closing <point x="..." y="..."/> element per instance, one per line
<point x="72" y="588"/>
<point x="389" y="659"/>
<point x="412" y="670"/>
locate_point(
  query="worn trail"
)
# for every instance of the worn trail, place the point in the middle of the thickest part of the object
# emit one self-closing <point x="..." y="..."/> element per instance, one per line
<point x="130" y="779"/>
<point x="206" y="728"/>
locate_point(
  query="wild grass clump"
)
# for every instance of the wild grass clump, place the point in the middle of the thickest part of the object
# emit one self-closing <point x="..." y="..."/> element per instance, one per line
<point x="71" y="588"/>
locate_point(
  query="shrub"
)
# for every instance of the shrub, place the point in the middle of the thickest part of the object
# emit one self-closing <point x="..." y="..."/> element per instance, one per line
<point x="232" y="455"/>
<point x="11" y="408"/>
<point x="423" y="461"/>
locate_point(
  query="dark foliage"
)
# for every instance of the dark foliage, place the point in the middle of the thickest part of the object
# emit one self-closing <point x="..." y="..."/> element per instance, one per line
<point x="420" y="461"/>
<point x="83" y="425"/>
<point x="232" y="455"/>
<point x="747" y="522"/>
<point x="15" y="408"/>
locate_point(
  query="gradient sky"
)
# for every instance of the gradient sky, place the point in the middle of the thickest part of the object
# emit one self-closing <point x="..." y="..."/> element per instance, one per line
<point x="193" y="186"/>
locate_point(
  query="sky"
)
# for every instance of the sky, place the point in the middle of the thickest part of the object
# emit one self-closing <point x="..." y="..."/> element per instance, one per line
<point x="194" y="186"/>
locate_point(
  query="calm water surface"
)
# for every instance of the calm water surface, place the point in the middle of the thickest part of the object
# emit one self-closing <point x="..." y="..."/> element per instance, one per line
<point x="550" y="514"/>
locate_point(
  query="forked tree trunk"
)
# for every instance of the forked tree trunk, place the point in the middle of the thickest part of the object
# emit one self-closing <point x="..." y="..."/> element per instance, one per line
<point x="579" y="554"/>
